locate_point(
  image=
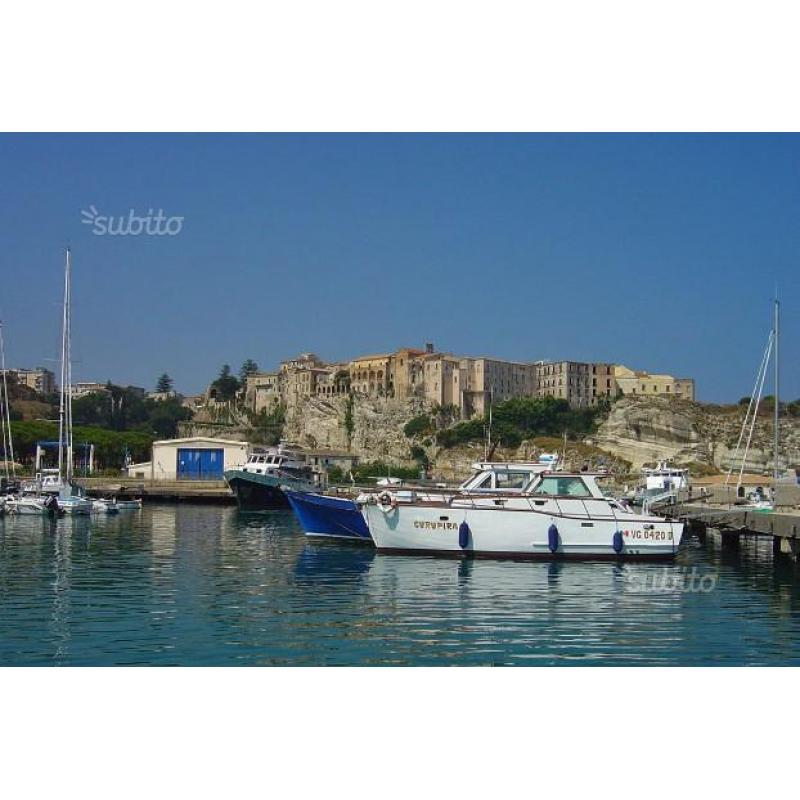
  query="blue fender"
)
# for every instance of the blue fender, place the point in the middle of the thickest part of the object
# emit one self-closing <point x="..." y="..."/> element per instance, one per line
<point x="552" y="538"/>
<point x="463" y="535"/>
<point x="616" y="541"/>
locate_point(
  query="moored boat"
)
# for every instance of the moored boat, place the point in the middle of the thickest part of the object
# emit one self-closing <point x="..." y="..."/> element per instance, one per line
<point x="333" y="517"/>
<point x="558" y="515"/>
<point x="33" y="506"/>
<point x="660" y="483"/>
<point x="339" y="517"/>
<point x="259" y="484"/>
<point x="104" y="506"/>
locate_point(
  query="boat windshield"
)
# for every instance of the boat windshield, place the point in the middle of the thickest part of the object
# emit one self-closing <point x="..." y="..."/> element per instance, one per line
<point x="562" y="487"/>
<point x="498" y="480"/>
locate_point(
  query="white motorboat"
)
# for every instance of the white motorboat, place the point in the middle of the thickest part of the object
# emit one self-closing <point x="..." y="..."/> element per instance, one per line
<point x="128" y="505"/>
<point x="104" y="506"/>
<point x="488" y="477"/>
<point x="556" y="515"/>
<point x="32" y="505"/>
<point x="342" y="518"/>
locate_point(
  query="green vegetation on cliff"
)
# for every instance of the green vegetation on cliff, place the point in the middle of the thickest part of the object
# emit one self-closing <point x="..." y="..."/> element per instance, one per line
<point x="523" y="418"/>
<point x="369" y="472"/>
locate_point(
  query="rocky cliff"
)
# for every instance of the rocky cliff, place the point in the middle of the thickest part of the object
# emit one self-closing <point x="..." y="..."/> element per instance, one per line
<point x="637" y="431"/>
<point x="644" y="430"/>
<point x="370" y="428"/>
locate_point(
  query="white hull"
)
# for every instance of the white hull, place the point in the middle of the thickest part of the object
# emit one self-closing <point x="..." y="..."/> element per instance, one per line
<point x="521" y="529"/>
<point x="25" y="507"/>
<point x="75" y="505"/>
<point x="128" y="505"/>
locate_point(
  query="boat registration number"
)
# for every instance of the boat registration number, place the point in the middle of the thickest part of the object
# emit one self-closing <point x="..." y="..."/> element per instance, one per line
<point x="658" y="536"/>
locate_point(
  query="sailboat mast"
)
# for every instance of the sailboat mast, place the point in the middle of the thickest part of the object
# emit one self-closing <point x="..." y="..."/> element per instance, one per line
<point x="68" y="347"/>
<point x="775" y="470"/>
<point x="6" y="422"/>
<point x="488" y="446"/>
<point x="62" y="398"/>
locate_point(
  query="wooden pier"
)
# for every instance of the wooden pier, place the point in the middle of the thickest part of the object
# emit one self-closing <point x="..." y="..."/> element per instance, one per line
<point x="721" y="512"/>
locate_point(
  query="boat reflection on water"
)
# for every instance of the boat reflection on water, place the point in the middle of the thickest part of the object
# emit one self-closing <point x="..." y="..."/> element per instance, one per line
<point x="483" y="611"/>
<point x="332" y="562"/>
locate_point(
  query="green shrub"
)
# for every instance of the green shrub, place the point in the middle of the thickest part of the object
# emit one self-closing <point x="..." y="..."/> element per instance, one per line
<point x="418" y="426"/>
<point x="370" y="472"/>
<point x="523" y="418"/>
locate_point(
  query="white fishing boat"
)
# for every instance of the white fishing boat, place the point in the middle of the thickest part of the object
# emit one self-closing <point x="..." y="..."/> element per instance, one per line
<point x="661" y="482"/>
<point x="557" y="515"/>
<point x="258" y="485"/>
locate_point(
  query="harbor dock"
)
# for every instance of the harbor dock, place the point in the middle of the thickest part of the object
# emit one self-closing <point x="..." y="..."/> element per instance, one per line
<point x="205" y="491"/>
<point x="720" y="510"/>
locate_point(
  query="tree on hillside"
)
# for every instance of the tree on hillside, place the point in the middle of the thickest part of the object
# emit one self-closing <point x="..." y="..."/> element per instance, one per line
<point x="226" y="385"/>
<point x="164" y="383"/>
<point x="249" y="367"/>
<point x="165" y="416"/>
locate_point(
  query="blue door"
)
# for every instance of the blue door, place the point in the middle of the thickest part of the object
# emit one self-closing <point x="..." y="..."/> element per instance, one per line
<point x="199" y="464"/>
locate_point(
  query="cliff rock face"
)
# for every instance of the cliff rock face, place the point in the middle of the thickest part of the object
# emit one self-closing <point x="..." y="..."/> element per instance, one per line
<point x="370" y="428"/>
<point x="638" y="430"/>
<point x="651" y="429"/>
<point x="644" y="430"/>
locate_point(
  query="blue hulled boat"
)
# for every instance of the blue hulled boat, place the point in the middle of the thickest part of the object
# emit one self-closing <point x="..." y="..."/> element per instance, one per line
<point x="335" y="517"/>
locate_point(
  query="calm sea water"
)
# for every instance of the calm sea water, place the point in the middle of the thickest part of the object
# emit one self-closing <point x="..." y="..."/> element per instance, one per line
<point x="204" y="585"/>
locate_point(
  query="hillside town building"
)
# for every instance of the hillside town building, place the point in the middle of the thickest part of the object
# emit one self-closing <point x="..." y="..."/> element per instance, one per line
<point x="465" y="384"/>
<point x="41" y="380"/>
<point x="640" y="382"/>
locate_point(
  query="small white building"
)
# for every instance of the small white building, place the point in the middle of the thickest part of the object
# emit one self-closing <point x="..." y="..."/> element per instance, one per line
<point x="194" y="458"/>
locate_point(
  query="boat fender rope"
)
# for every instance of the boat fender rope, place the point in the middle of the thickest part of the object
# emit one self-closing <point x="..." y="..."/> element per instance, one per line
<point x="552" y="538"/>
<point x="463" y="535"/>
<point x="616" y="542"/>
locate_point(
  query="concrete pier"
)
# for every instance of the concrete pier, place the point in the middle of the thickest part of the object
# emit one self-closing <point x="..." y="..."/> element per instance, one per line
<point x="732" y="520"/>
<point x="165" y="491"/>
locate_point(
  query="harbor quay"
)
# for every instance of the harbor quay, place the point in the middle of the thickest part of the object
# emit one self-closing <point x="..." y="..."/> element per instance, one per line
<point x="720" y="512"/>
<point x="204" y="491"/>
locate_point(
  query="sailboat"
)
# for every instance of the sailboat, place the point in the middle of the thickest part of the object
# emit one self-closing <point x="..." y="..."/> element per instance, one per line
<point x="54" y="491"/>
<point x="757" y="499"/>
<point x="9" y="476"/>
<point x="71" y="497"/>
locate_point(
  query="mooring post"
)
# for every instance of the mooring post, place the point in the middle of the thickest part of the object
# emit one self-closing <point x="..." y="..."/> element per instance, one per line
<point x="784" y="546"/>
<point x="730" y="540"/>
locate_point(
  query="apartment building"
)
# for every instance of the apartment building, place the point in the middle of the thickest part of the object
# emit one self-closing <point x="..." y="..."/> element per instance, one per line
<point x="580" y="383"/>
<point x="488" y="380"/>
<point x="41" y="380"/>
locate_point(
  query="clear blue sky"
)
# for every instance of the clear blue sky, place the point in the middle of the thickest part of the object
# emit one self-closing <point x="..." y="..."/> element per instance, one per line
<point x="659" y="252"/>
